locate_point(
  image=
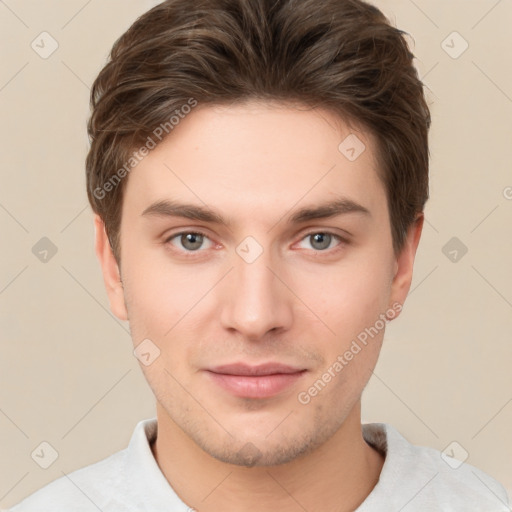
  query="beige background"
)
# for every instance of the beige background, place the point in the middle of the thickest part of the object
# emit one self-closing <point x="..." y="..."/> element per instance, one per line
<point x="67" y="373"/>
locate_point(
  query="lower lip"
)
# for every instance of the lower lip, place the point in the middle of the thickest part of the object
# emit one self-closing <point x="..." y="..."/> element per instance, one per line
<point x="262" y="386"/>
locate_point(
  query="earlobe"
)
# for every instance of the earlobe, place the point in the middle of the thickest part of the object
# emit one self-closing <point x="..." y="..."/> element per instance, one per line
<point x="404" y="263"/>
<point x="110" y="270"/>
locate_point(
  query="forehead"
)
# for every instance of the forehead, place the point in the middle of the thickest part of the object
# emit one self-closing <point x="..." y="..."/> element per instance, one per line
<point x="256" y="156"/>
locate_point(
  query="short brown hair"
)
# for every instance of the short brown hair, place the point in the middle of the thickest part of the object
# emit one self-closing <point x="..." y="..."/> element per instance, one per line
<point x="342" y="55"/>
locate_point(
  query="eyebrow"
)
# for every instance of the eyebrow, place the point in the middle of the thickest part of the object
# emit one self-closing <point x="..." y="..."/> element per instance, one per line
<point x="168" y="208"/>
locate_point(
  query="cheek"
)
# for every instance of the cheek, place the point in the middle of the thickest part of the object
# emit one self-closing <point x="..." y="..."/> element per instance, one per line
<point x="351" y="305"/>
<point x="352" y="295"/>
<point x="160" y="294"/>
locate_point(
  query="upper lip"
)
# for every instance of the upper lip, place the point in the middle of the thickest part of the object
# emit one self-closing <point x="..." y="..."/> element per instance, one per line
<point x="261" y="369"/>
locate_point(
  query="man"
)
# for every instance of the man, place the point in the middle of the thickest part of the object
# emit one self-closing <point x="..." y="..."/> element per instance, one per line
<point x="258" y="172"/>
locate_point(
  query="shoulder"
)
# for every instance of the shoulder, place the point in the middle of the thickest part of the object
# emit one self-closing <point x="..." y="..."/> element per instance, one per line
<point x="115" y="483"/>
<point x="425" y="478"/>
<point x="460" y="483"/>
<point x="83" y="490"/>
<point x="128" y="480"/>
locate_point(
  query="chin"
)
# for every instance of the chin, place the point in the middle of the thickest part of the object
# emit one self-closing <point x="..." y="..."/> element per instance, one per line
<point x="257" y="455"/>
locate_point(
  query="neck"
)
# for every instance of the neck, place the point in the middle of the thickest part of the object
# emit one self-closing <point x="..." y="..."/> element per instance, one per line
<point x="343" y="471"/>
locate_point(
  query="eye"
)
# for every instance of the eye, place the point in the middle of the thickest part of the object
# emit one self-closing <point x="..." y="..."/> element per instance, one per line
<point x="321" y="240"/>
<point x="191" y="241"/>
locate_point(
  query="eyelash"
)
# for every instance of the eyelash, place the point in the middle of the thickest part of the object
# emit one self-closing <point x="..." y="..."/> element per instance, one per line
<point x="192" y="254"/>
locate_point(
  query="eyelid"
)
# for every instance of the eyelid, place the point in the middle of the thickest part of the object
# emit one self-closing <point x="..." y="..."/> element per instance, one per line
<point x="311" y="231"/>
<point x="345" y="235"/>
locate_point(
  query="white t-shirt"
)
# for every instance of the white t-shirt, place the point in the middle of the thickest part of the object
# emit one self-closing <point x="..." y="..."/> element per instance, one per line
<point x="413" y="478"/>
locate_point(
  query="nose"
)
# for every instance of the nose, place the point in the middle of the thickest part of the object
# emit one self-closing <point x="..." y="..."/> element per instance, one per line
<point x="256" y="299"/>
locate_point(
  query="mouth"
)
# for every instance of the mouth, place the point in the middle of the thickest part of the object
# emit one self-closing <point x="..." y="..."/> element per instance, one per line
<point x="261" y="381"/>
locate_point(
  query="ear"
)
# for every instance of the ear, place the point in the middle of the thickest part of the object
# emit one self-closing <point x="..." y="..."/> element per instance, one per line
<point x="404" y="263"/>
<point x="110" y="270"/>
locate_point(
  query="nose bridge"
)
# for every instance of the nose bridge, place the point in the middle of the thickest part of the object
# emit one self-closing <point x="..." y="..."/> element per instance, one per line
<point x="256" y="301"/>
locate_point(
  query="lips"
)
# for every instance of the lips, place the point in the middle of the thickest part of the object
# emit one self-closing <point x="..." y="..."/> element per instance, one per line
<point x="248" y="370"/>
<point x="260" y="381"/>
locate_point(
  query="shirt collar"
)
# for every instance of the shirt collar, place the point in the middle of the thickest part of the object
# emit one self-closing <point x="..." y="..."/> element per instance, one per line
<point x="146" y="483"/>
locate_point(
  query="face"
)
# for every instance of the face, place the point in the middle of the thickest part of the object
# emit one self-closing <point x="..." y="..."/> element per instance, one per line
<point x="265" y="314"/>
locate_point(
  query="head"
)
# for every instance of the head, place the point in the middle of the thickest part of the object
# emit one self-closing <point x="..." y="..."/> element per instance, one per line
<point x="291" y="138"/>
